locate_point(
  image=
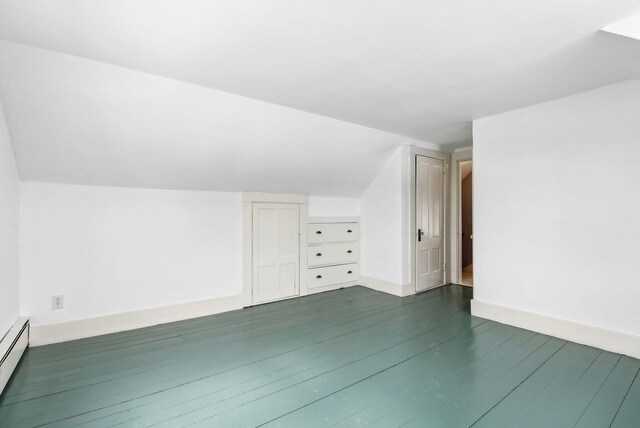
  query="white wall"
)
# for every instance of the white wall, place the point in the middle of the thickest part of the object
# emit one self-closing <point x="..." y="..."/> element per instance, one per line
<point x="382" y="223"/>
<point x="9" y="231"/>
<point x="556" y="206"/>
<point x="111" y="250"/>
<point x="324" y="206"/>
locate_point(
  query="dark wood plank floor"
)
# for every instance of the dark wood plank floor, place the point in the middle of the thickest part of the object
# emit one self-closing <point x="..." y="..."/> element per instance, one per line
<point x="352" y="357"/>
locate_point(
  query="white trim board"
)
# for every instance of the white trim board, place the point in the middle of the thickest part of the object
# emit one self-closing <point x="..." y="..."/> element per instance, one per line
<point x="609" y="340"/>
<point x="78" y="329"/>
<point x="400" y="290"/>
<point x="455" y="220"/>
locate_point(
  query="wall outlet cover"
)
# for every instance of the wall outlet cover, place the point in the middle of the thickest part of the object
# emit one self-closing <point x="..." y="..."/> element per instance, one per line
<point x="57" y="302"/>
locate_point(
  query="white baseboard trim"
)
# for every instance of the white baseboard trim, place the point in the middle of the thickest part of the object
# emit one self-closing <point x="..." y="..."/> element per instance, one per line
<point x="77" y="329"/>
<point x="609" y="340"/>
<point x="400" y="290"/>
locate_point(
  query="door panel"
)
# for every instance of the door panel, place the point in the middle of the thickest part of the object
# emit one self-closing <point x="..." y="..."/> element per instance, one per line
<point x="430" y="222"/>
<point x="276" y="251"/>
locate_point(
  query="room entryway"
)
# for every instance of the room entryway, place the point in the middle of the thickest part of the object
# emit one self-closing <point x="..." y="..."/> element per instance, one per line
<point x="466" y="222"/>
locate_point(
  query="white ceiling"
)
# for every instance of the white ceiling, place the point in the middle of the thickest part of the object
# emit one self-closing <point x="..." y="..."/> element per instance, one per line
<point x="77" y="121"/>
<point x="629" y="27"/>
<point x="416" y="68"/>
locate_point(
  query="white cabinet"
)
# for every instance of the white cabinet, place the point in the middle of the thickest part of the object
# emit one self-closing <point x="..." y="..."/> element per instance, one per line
<point x="333" y="253"/>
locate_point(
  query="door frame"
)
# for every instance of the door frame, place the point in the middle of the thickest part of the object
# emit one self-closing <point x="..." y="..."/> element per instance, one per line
<point x="248" y="199"/>
<point x="461" y="155"/>
<point x="415" y="151"/>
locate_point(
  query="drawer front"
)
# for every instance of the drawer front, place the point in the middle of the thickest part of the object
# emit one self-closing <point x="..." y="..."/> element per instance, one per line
<point x="332" y="232"/>
<point x="322" y="276"/>
<point x="326" y="254"/>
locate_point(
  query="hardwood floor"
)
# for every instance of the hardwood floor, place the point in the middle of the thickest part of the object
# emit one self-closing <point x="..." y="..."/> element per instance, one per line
<point x="352" y="357"/>
<point x="466" y="278"/>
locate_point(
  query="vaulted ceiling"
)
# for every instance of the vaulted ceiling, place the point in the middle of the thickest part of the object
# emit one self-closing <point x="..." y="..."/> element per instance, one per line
<point x="284" y="95"/>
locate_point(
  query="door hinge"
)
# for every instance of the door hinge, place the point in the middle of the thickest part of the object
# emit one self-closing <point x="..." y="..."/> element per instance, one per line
<point x="444" y="169"/>
<point x="444" y="266"/>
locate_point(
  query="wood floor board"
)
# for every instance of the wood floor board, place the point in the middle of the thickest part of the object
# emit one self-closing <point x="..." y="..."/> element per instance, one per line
<point x="223" y="403"/>
<point x="439" y="362"/>
<point x="457" y="383"/>
<point x="334" y="351"/>
<point x="180" y="351"/>
<point x="232" y="322"/>
<point x="606" y="402"/>
<point x="563" y="367"/>
<point x="220" y="326"/>
<point x="243" y="322"/>
<point x="72" y="366"/>
<point x="272" y="406"/>
<point x="351" y="357"/>
<point x="628" y="414"/>
<point x="149" y="382"/>
<point x="104" y="392"/>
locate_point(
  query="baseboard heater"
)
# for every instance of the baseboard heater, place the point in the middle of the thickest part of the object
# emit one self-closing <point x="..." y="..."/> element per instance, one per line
<point x="12" y="346"/>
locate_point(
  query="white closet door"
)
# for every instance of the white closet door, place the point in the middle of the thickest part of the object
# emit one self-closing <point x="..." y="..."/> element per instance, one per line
<point x="276" y="251"/>
<point x="430" y="222"/>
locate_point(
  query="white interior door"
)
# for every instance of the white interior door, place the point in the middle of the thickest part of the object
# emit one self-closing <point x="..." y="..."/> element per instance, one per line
<point x="276" y="251"/>
<point x="429" y="222"/>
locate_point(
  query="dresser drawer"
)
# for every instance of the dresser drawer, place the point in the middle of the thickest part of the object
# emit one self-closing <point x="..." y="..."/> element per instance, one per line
<point x="330" y="254"/>
<point x="322" y="276"/>
<point x="332" y="232"/>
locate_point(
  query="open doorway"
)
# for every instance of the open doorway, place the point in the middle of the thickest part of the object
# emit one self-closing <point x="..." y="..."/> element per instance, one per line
<point x="466" y="223"/>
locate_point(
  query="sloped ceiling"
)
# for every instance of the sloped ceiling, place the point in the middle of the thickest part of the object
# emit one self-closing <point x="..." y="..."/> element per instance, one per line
<point x="141" y="92"/>
<point x="86" y="122"/>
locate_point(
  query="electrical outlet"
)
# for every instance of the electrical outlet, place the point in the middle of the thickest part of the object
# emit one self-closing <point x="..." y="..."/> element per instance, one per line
<point x="57" y="302"/>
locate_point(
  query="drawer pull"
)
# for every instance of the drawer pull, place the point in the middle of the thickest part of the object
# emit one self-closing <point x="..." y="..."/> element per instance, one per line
<point x="349" y="251"/>
<point x="349" y="272"/>
<point x="349" y="231"/>
<point x="318" y="232"/>
<point x="318" y="276"/>
<point x="318" y="254"/>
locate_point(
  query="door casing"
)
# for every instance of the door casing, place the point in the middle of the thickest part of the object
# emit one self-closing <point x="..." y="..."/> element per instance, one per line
<point x="455" y="217"/>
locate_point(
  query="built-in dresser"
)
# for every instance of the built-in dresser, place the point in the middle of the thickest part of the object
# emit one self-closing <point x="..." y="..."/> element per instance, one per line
<point x="333" y="254"/>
